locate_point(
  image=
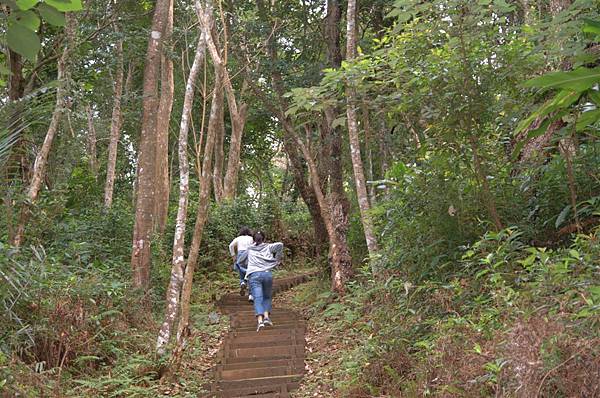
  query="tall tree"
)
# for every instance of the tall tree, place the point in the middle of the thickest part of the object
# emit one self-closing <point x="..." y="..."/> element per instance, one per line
<point x="341" y="262"/>
<point x="219" y="142"/>
<point x="115" y="127"/>
<point x="237" y="110"/>
<point x="201" y="215"/>
<point x="177" y="270"/>
<point x="278" y="106"/>
<point x="91" y="142"/>
<point x="167" y="89"/>
<point x="355" y="152"/>
<point x="146" y="176"/>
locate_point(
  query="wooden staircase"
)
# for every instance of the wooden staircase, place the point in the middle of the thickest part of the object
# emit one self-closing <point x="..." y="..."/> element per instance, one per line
<point x="269" y="363"/>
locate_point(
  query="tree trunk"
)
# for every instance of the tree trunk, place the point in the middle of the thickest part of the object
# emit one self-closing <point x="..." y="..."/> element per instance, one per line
<point x="357" y="166"/>
<point x="369" y="149"/>
<point x="332" y="33"/>
<point x="289" y="139"/>
<point x="15" y="82"/>
<point x="238" y="120"/>
<point x="144" y="208"/>
<point x="91" y="143"/>
<point x="237" y="111"/>
<point x="41" y="160"/>
<point x="167" y="88"/>
<point x="480" y="173"/>
<point x="341" y="262"/>
<point x="115" y="129"/>
<point x="219" y="153"/>
<point x="336" y="200"/>
<point x="176" y="281"/>
<point x="201" y="216"/>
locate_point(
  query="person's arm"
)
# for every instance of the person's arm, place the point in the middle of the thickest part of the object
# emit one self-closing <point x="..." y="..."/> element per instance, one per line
<point x="276" y="249"/>
<point x="233" y="247"/>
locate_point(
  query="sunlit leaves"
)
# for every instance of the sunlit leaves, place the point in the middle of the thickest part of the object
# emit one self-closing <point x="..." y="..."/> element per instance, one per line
<point x="590" y="26"/>
<point x="562" y="100"/>
<point x="587" y="118"/>
<point x="579" y="80"/>
<point x="26" y="4"/>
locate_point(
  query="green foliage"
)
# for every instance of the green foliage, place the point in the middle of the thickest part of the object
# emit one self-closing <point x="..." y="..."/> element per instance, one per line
<point x="454" y="335"/>
<point x="566" y="104"/>
<point x="23" y="23"/>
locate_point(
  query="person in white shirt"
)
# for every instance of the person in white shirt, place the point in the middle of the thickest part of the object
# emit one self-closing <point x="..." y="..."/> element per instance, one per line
<point x="238" y="248"/>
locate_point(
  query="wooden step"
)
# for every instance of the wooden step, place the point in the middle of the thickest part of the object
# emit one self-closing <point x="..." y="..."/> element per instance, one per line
<point x="277" y="326"/>
<point x="225" y="385"/>
<point x="268" y="363"/>
<point x="265" y="352"/>
<point x="271" y="330"/>
<point x="257" y="364"/>
<point x="242" y="323"/>
<point x="264" y="341"/>
<point x="254" y="391"/>
<point x="280" y="335"/>
<point x="240" y="374"/>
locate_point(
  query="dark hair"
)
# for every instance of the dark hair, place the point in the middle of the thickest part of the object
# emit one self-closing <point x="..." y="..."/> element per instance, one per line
<point x="245" y="231"/>
<point x="259" y="237"/>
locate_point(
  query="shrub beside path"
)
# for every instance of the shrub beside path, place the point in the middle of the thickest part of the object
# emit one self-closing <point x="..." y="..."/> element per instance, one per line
<point x="269" y="363"/>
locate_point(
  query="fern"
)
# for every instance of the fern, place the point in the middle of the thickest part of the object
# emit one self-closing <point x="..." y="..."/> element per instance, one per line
<point x="18" y="276"/>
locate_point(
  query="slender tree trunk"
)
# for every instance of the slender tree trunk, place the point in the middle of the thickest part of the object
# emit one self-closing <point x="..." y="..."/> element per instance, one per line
<point x="238" y="120"/>
<point x="237" y="111"/>
<point x="357" y="166"/>
<point x="177" y="270"/>
<point x="144" y="207"/>
<point x="91" y="143"/>
<point x="115" y="129"/>
<point x="488" y="198"/>
<point x="201" y="216"/>
<point x="167" y="88"/>
<point x="369" y="150"/>
<point x="383" y="148"/>
<point x="219" y="153"/>
<point x="41" y="160"/>
<point x="567" y="148"/>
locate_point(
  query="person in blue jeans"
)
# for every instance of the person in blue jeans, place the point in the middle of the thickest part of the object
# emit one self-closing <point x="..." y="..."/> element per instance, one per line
<point x="262" y="258"/>
<point x="238" y="248"/>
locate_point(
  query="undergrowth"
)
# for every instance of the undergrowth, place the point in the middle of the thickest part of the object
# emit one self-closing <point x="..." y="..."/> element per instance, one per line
<point x="73" y="326"/>
<point x="512" y="320"/>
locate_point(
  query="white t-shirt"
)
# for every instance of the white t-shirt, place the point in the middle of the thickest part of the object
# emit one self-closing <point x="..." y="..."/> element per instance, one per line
<point x="242" y="242"/>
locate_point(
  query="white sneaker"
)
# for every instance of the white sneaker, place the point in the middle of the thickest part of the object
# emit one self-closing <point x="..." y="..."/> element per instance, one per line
<point x="250" y="298"/>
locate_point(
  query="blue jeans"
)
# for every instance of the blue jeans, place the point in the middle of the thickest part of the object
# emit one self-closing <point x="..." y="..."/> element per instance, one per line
<point x="261" y="288"/>
<point x="241" y="270"/>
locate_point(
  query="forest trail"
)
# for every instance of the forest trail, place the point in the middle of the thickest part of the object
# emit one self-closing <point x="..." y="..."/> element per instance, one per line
<point x="269" y="363"/>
